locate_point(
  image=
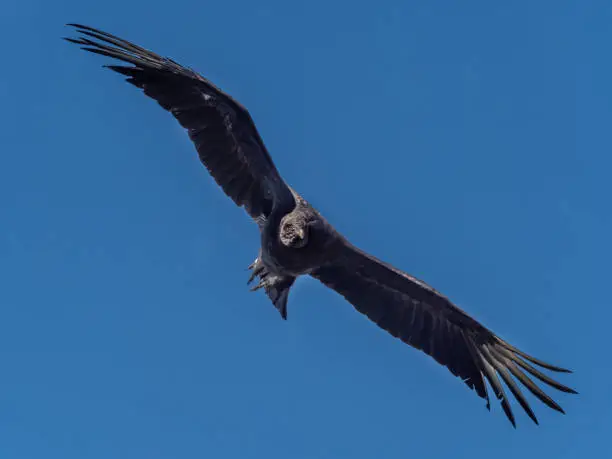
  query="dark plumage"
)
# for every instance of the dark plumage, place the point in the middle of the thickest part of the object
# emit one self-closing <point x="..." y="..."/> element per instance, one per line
<point x="297" y="240"/>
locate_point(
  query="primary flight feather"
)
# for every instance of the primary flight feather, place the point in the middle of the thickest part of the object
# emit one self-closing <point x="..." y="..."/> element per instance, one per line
<point x="296" y="240"/>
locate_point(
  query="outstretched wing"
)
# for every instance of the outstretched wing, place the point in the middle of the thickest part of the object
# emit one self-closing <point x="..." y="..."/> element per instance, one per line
<point x="420" y="316"/>
<point x="222" y="130"/>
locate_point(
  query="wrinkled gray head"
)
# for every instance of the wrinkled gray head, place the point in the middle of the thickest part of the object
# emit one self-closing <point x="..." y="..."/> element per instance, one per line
<point x="294" y="230"/>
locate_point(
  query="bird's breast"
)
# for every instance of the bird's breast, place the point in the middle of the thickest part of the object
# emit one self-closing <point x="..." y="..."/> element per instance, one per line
<point x="281" y="259"/>
<point x="284" y="260"/>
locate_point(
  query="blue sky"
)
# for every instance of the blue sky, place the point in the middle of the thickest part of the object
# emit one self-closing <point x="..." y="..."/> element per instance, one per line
<point x="467" y="143"/>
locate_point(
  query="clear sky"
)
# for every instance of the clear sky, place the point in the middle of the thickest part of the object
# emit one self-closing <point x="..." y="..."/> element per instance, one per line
<point x="467" y="143"/>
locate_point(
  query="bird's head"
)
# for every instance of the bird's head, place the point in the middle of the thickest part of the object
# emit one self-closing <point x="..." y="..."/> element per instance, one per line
<point x="293" y="232"/>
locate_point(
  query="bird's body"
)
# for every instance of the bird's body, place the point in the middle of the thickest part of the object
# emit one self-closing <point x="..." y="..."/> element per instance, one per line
<point x="296" y="240"/>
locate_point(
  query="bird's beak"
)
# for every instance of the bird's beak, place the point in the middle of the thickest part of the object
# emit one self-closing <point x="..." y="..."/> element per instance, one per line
<point x="301" y="233"/>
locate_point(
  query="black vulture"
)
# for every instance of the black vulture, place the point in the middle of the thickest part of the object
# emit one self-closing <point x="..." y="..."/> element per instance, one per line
<point x="297" y="240"/>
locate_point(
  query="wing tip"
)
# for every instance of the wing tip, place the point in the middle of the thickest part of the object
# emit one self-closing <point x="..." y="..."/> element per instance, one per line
<point x="531" y="358"/>
<point x="72" y="40"/>
<point x="76" y="25"/>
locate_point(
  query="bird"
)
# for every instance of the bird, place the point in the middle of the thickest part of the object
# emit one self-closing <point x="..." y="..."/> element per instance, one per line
<point x="296" y="240"/>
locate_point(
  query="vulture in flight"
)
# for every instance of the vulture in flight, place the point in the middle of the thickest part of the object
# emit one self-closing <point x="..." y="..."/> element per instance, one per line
<point x="296" y="240"/>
